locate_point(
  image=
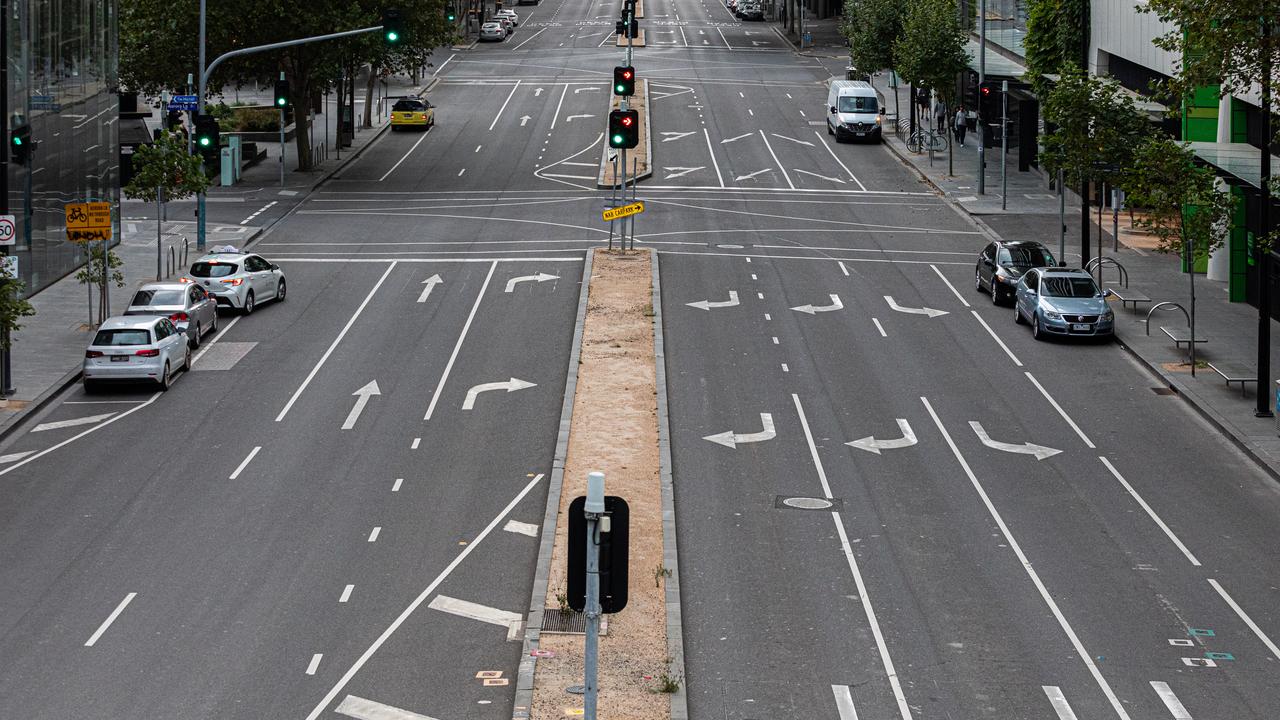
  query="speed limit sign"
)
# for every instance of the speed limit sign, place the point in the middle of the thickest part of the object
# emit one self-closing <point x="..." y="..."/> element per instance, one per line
<point x="7" y="230"/>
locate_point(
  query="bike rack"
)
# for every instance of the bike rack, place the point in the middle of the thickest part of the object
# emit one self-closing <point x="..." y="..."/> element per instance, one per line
<point x="1171" y="305"/>
<point x="173" y="261"/>
<point x="1095" y="263"/>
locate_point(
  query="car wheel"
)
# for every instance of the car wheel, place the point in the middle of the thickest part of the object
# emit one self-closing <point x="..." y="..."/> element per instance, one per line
<point x="248" y="303"/>
<point x="1017" y="314"/>
<point x="1036" y="332"/>
<point x="91" y="387"/>
<point x="977" y="282"/>
<point x="186" y="360"/>
<point x="213" y="326"/>
<point x="995" y="292"/>
<point x="193" y="340"/>
<point x="829" y="130"/>
<point x="280" y="291"/>
<point x="166" y="377"/>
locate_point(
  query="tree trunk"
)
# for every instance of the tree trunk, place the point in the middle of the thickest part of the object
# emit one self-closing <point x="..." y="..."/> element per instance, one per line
<point x="299" y="75"/>
<point x="368" y="98"/>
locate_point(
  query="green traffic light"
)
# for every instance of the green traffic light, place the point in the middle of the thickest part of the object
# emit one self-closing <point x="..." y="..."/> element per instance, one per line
<point x="393" y="36"/>
<point x="17" y="141"/>
<point x="204" y="142"/>
<point x="282" y="102"/>
<point x="617" y="140"/>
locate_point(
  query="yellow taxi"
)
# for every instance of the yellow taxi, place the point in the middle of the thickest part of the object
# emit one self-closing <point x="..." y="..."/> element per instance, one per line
<point x="412" y="113"/>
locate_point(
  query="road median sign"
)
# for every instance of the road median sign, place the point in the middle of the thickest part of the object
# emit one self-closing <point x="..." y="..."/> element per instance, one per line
<point x="612" y="214"/>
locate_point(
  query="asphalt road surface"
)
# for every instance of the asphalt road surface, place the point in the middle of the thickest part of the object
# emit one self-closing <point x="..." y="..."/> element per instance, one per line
<point x="1021" y="529"/>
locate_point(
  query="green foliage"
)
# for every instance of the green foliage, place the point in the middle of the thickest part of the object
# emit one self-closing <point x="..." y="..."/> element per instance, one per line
<point x="258" y="119"/>
<point x="1094" y="127"/>
<point x="1054" y="36"/>
<point x="931" y="50"/>
<point x="1182" y="204"/>
<point x="93" y="272"/>
<point x="1220" y="42"/>
<point x="166" y="165"/>
<point x="872" y="27"/>
<point x="13" y="307"/>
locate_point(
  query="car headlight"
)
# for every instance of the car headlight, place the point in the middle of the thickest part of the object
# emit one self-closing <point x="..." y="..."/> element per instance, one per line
<point x="1052" y="315"/>
<point x="1108" y="315"/>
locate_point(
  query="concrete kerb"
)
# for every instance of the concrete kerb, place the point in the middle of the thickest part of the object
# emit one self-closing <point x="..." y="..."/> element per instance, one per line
<point x="670" y="556"/>
<point x="959" y="209"/>
<point x="538" y="598"/>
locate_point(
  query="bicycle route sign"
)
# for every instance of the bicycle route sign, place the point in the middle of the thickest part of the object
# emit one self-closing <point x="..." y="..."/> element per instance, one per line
<point x="88" y="222"/>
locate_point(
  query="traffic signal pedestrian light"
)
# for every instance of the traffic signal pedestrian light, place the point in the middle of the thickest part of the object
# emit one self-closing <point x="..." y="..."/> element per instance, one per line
<point x="392" y="26"/>
<point x="20" y="145"/>
<point x="207" y="140"/>
<point x="282" y="94"/>
<point x="624" y="129"/>
<point x="624" y="81"/>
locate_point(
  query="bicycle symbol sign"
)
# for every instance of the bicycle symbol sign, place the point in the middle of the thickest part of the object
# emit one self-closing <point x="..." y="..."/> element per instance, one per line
<point x="88" y="221"/>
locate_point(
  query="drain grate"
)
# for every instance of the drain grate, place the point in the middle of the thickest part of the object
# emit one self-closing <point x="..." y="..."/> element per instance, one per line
<point x="569" y="622"/>
<point x="1163" y="391"/>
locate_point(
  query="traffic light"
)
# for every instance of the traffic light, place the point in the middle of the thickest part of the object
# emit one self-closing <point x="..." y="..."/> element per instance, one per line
<point x="632" y="30"/>
<point x="282" y="94"/>
<point x="207" y="140"/>
<point x="614" y="550"/>
<point x="624" y="128"/>
<point x="628" y="8"/>
<point x="392" y="26"/>
<point x="624" y="81"/>
<point x="450" y="14"/>
<point x="20" y="145"/>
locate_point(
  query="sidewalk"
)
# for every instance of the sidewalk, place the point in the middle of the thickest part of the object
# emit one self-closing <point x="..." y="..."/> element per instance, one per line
<point x="1230" y="329"/>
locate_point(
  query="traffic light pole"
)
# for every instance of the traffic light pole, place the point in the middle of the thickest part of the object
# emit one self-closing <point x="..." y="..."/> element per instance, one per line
<point x="594" y="509"/>
<point x="982" y="79"/>
<point x="6" y="372"/>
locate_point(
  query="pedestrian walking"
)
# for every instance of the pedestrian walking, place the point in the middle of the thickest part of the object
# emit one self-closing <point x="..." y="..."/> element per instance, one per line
<point x="940" y="115"/>
<point x="960" y="125"/>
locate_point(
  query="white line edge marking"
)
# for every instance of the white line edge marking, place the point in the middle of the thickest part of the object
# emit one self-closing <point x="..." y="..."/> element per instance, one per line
<point x="1061" y="412"/>
<point x="776" y="160"/>
<point x="346" y="593"/>
<point x="1083" y="653"/>
<point x="504" y="104"/>
<point x="373" y="535"/>
<point x="351" y="321"/>
<point x="1152" y="513"/>
<point x="844" y="702"/>
<point x="995" y="337"/>
<point x="837" y="159"/>
<point x="1171" y="701"/>
<point x="883" y="648"/>
<point x="712" y="152"/>
<point x="528" y="38"/>
<point x="245" y="462"/>
<point x="1059" y="702"/>
<point x="110" y="619"/>
<point x="404" y="157"/>
<point x="1247" y="620"/>
<point x="395" y="487"/>
<point x="954" y="291"/>
<point x="435" y="397"/>
<point x="216" y="338"/>
<point x="416" y="442"/>
<point x="843" y="269"/>
<point x="314" y="664"/>
<point x="73" y="438"/>
<point x="395" y="624"/>
<point x="879" y="327"/>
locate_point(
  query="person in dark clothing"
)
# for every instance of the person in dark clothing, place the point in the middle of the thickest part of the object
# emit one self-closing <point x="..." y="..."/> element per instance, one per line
<point x="960" y="125"/>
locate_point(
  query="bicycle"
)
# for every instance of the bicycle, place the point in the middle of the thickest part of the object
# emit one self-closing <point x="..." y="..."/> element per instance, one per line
<point x="924" y="139"/>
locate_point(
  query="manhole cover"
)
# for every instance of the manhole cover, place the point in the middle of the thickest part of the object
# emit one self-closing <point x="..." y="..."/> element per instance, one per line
<point x="805" y="502"/>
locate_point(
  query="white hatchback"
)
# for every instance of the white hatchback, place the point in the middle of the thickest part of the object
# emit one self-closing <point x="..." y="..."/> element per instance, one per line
<point x="136" y="347"/>
<point x="237" y="280"/>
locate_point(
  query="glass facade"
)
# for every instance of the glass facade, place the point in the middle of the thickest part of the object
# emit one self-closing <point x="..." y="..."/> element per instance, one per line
<point x="62" y="81"/>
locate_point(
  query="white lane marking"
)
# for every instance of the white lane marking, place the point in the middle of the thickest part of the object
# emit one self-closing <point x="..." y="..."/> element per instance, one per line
<point x="952" y="287"/>
<point x="843" y="269"/>
<point x="1059" y="702"/>
<point x="461" y="171"/>
<point x="332" y="346"/>
<point x="245" y="462"/>
<point x="57" y="424"/>
<point x="995" y="337"/>
<point x="839" y="161"/>
<point x="784" y="137"/>
<point x="1247" y="620"/>
<point x="1080" y="649"/>
<point x="785" y="369"/>
<point x="556" y="116"/>
<point x="753" y="277"/>
<point x="102" y="402"/>
<point x="844" y="702"/>
<point x="72" y="439"/>
<point x="346" y="593"/>
<point x="405" y="156"/>
<point x="504" y="104"/>
<point x="362" y="399"/>
<point x="870" y="611"/>
<point x="775" y="340"/>
<point x="475" y="611"/>
<point x="879" y="327"/>
<point x="395" y="487"/>
<point x="1150" y="512"/>
<point x="314" y="664"/>
<point x="11" y="457"/>
<point x="373" y="535"/>
<point x="767" y="316"/>
<point x="1170" y="700"/>
<point x="427" y="592"/>
<point x="478" y="148"/>
<point x="361" y="709"/>
<point x="221" y="334"/>
<point x="711" y="151"/>
<point x="521" y="528"/>
<point x="528" y="39"/>
<point x="1058" y="407"/>
<point x="739" y="137"/>
<point x="110" y="619"/>
<point x="416" y="442"/>
<point x="759" y="296"/>
<point x="435" y="397"/>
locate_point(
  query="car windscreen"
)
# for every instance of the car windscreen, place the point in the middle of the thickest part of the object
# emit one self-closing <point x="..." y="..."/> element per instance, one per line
<point x="158" y="297"/>
<point x="213" y="269"/>
<point x="122" y="337"/>
<point x="858" y="104"/>
<point x="407" y="106"/>
<point x="1068" y="287"/>
<point x="1025" y="257"/>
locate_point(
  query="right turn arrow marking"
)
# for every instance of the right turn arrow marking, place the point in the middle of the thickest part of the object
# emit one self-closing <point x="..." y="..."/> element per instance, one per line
<point x="1040" y="451"/>
<point x="913" y="311"/>
<point x="871" y="444"/>
<point x="511" y="385"/>
<point x="707" y="304"/>
<point x="731" y="439"/>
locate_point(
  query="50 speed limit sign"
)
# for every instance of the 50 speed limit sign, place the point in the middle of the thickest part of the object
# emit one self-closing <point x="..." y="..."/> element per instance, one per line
<point x="8" y="230"/>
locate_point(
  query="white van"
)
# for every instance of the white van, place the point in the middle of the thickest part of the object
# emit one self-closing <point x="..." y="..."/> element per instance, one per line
<point x="854" y="111"/>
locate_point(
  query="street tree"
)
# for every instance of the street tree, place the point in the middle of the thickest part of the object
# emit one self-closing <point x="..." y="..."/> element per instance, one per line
<point x="1094" y="127"/>
<point x="1055" y="37"/>
<point x="930" y="52"/>
<point x="13" y="307"/>
<point x="872" y="27"/>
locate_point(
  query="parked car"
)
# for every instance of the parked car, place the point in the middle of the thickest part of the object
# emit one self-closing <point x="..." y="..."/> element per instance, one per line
<point x="192" y="310"/>
<point x="751" y="11"/>
<point x="412" y="113"/>
<point x="1002" y="264"/>
<point x="132" y="348"/>
<point x="493" y="31"/>
<point x="1063" y="301"/>
<point x="509" y="13"/>
<point x="237" y="280"/>
<point x="506" y="23"/>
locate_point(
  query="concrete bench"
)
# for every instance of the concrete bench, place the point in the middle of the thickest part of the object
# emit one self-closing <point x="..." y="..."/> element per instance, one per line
<point x="1126" y="296"/>
<point x="1235" y="373"/>
<point x="1180" y="336"/>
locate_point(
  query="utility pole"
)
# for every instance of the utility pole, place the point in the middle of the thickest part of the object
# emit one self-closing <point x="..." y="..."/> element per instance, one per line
<point x="6" y="371"/>
<point x="1264" y="228"/>
<point x="1004" y="144"/>
<point x="982" y="78"/>
<point x="1084" y="179"/>
<point x="204" y="80"/>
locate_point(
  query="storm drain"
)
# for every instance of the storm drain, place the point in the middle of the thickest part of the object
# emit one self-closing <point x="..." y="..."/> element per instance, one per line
<point x="1163" y="391"/>
<point x="805" y="502"/>
<point x="570" y="622"/>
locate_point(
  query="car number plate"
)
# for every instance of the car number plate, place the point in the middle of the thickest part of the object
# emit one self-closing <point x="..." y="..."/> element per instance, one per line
<point x="860" y="134"/>
<point x="1083" y="327"/>
<point x="119" y="358"/>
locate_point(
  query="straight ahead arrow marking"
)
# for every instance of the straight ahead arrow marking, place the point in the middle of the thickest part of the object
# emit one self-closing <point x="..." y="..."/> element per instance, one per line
<point x="540" y="277"/>
<point x="913" y="311"/>
<point x="524" y="119"/>
<point x="537" y="92"/>
<point x="707" y="304"/>
<point x="511" y="385"/>
<point x="871" y="444"/>
<point x="731" y="439"/>
<point x="431" y="284"/>
<point x="362" y="399"/>
<point x="1040" y="451"/>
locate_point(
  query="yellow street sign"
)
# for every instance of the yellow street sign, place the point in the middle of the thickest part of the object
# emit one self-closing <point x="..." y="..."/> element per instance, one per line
<point x="89" y="221"/>
<point x="634" y="208"/>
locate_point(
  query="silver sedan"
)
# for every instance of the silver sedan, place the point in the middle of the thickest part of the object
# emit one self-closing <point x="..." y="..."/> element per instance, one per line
<point x="187" y="306"/>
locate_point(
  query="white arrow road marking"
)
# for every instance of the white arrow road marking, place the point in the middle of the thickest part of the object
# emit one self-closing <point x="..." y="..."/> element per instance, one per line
<point x="537" y="92"/>
<point x="814" y="174"/>
<point x="707" y="304"/>
<point x="524" y="119"/>
<point x="89" y="420"/>
<point x="540" y="277"/>
<point x="675" y="172"/>
<point x="14" y="457"/>
<point x="871" y="444"/>
<point x="362" y="399"/>
<point x="669" y="136"/>
<point x="571" y="117"/>
<point x="511" y="385"/>
<point x="913" y="311"/>
<point x="748" y="176"/>
<point x="511" y="621"/>
<point x="812" y="309"/>
<point x="521" y="528"/>
<point x="732" y="139"/>
<point x="361" y="709"/>
<point x="431" y="284"/>
<point x="1040" y="451"/>
<point x="784" y="137"/>
<point x="585" y="89"/>
<point x="731" y="439"/>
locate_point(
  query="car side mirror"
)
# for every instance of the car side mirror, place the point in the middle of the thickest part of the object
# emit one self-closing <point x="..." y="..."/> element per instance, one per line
<point x="833" y="109"/>
<point x="275" y="266"/>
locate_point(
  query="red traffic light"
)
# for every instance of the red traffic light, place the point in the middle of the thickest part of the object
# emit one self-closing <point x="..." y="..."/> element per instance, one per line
<point x="628" y="74"/>
<point x="627" y="121"/>
<point x="986" y="90"/>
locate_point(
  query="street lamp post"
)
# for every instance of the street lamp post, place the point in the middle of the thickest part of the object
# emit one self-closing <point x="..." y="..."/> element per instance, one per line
<point x="982" y="78"/>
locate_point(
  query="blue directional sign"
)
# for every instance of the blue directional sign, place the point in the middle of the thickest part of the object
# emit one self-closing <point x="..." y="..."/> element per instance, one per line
<point x="45" y="102"/>
<point x="186" y="103"/>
